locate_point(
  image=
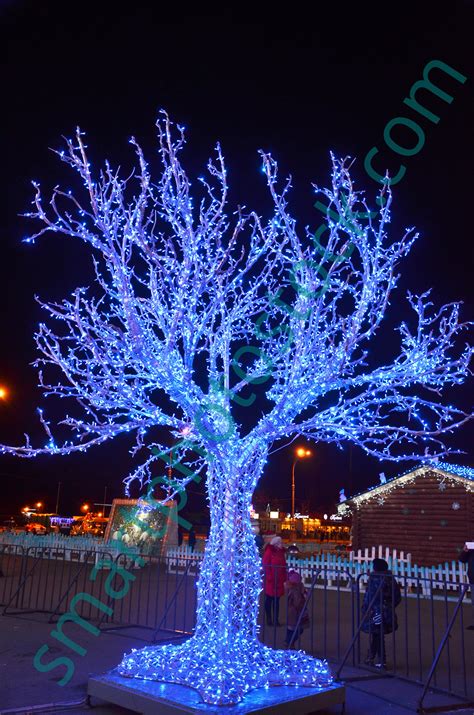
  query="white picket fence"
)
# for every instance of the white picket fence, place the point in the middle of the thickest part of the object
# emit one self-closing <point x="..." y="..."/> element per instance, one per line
<point x="180" y="559"/>
<point x="59" y="546"/>
<point x="448" y="575"/>
<point x="54" y="541"/>
<point x="331" y="567"/>
<point x="379" y="552"/>
<point x="344" y="570"/>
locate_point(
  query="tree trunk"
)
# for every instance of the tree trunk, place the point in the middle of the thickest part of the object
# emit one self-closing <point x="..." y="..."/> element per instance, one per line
<point x="224" y="659"/>
<point x="230" y="580"/>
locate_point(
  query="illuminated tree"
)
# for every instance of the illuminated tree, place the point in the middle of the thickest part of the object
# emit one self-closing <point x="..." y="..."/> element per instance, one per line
<point x="192" y="309"/>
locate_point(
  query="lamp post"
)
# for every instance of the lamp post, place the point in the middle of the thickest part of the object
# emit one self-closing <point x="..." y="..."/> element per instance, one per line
<point x="300" y="453"/>
<point x="57" y="498"/>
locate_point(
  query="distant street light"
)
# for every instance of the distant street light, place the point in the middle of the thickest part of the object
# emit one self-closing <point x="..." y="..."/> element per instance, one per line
<point x="85" y="507"/>
<point x="3" y="392"/>
<point x="39" y="504"/>
<point x="301" y="453"/>
<point x="57" y="497"/>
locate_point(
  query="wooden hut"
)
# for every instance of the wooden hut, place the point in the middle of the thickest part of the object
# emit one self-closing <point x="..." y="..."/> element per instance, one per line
<point x="427" y="512"/>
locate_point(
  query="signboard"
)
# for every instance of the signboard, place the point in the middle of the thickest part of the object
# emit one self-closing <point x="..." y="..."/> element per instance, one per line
<point x="143" y="525"/>
<point x="61" y="520"/>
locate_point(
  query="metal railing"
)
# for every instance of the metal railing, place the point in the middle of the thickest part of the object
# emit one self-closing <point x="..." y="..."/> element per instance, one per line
<point x="428" y="647"/>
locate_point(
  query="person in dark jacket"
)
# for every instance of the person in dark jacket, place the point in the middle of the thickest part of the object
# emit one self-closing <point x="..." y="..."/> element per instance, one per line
<point x="383" y="592"/>
<point x="192" y="538"/>
<point x="467" y="557"/>
<point x="259" y="541"/>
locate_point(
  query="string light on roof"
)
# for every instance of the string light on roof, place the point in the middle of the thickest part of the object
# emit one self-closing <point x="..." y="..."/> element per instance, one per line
<point x="449" y="477"/>
<point x="459" y="470"/>
<point x="182" y="286"/>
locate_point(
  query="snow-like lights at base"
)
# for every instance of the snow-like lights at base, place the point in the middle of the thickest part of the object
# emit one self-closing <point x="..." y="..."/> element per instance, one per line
<point x="223" y="674"/>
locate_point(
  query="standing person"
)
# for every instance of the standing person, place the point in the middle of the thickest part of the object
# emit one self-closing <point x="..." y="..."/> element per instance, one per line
<point x="192" y="538"/>
<point x="259" y="541"/>
<point x="467" y="557"/>
<point x="295" y="608"/>
<point x="274" y="564"/>
<point x="382" y="618"/>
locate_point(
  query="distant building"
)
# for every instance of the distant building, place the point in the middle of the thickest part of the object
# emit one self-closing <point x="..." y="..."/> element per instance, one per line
<point x="305" y="526"/>
<point x="427" y="512"/>
<point x="270" y="521"/>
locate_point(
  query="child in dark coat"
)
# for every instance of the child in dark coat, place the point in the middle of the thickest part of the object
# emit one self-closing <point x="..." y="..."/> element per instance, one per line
<point x="382" y="618"/>
<point x="295" y="606"/>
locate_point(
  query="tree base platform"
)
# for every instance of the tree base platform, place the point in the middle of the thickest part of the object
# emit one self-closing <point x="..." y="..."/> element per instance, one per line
<point x="149" y="697"/>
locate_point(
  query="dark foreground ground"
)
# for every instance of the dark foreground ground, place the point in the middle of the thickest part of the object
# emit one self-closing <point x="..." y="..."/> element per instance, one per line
<point x="21" y="685"/>
<point x="161" y="605"/>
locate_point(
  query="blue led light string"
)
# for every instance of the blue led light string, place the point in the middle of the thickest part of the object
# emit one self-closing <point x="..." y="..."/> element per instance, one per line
<point x="185" y="287"/>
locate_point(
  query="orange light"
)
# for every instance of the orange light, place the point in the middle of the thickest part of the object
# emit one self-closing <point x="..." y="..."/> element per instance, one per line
<point x="85" y="507"/>
<point x="3" y="393"/>
<point x="302" y="452"/>
<point x="99" y="514"/>
<point x="39" y="504"/>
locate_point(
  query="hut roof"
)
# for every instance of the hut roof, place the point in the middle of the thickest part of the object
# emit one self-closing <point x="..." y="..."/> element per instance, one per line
<point x="450" y="472"/>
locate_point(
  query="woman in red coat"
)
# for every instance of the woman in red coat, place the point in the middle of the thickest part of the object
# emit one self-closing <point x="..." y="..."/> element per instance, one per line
<point x="274" y="565"/>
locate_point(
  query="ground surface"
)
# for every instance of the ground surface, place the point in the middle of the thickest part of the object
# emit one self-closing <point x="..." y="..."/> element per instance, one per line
<point x="164" y="599"/>
<point x="21" y="685"/>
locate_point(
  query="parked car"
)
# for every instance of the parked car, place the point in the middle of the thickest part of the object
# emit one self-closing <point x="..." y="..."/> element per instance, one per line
<point x="36" y="528"/>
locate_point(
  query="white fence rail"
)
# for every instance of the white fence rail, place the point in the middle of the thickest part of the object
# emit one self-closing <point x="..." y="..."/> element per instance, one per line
<point x="332" y="567"/>
<point x="58" y="546"/>
<point x="182" y="559"/>
<point x="53" y="541"/>
<point x="347" y="568"/>
<point x="379" y="552"/>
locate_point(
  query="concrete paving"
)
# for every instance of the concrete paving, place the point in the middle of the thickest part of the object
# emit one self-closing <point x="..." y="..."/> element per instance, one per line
<point x="23" y="687"/>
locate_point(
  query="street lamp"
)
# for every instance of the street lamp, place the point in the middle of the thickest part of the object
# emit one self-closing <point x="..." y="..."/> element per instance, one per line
<point x="85" y="507"/>
<point x="57" y="497"/>
<point x="300" y="453"/>
<point x="39" y="504"/>
<point x="3" y="392"/>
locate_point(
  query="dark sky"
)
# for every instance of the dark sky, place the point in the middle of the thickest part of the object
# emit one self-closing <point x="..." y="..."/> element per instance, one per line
<point x="297" y="85"/>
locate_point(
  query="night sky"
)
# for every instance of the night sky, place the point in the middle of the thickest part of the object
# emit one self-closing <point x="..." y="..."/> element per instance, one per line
<point x="298" y="86"/>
